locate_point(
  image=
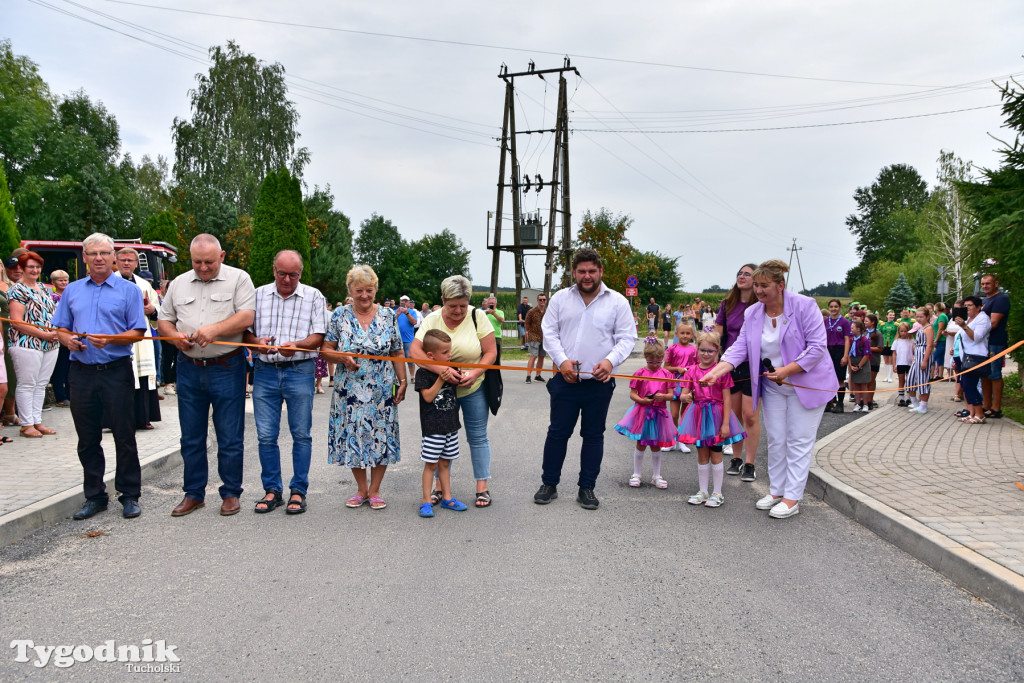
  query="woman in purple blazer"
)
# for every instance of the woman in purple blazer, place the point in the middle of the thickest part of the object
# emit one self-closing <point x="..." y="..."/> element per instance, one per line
<point x="787" y="330"/>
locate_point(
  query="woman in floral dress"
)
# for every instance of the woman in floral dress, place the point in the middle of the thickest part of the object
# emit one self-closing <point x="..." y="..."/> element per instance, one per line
<point x="363" y="430"/>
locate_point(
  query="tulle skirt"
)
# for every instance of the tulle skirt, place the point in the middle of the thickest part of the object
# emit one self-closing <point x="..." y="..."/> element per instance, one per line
<point x="648" y="426"/>
<point x="701" y="423"/>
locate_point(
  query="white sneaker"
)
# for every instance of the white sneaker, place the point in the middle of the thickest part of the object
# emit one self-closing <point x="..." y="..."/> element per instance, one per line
<point x="683" y="448"/>
<point x="169" y="390"/>
<point x="856" y="408"/>
<point x="781" y="511"/>
<point x="727" y="450"/>
<point x="922" y="408"/>
<point x="768" y="502"/>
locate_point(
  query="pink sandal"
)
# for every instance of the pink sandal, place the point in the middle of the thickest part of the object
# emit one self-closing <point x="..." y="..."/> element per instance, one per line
<point x="355" y="501"/>
<point x="377" y="503"/>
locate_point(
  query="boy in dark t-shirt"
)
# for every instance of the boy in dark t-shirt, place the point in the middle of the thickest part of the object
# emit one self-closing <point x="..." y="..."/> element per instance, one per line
<point x="439" y="421"/>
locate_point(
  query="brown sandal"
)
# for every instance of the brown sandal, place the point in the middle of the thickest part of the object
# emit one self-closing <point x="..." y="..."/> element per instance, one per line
<point x="31" y="433"/>
<point x="45" y="430"/>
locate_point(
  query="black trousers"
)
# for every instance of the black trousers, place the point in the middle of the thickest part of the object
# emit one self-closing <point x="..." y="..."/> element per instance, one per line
<point x="98" y="391"/>
<point x="836" y="354"/>
<point x="59" y="378"/>
<point x="585" y="402"/>
<point x="168" y="362"/>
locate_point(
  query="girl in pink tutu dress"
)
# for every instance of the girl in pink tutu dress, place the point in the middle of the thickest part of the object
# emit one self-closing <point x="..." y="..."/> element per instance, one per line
<point x="677" y="358"/>
<point x="708" y="422"/>
<point x="648" y="422"/>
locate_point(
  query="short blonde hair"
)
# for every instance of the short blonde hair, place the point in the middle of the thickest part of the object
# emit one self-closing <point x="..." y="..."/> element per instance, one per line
<point x="710" y="338"/>
<point x="360" y="274"/>
<point x="128" y="250"/>
<point x="58" y="274"/>
<point x="773" y="271"/>
<point x="456" y="287"/>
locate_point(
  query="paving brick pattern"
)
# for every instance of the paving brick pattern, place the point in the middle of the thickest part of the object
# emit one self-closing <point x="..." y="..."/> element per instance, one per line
<point x="957" y="479"/>
<point x="34" y="469"/>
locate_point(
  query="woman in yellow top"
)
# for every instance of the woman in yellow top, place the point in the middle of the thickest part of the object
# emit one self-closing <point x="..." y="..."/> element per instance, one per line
<point x="471" y="343"/>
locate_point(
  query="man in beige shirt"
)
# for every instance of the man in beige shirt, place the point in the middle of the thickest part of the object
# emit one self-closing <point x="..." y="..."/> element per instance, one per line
<point x="211" y="302"/>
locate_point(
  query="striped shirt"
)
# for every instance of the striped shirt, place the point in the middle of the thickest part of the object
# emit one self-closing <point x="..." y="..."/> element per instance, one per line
<point x="289" y="320"/>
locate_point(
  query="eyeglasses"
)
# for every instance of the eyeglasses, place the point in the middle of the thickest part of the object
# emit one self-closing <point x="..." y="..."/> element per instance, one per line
<point x="288" y="276"/>
<point x="541" y="299"/>
<point x="93" y="254"/>
<point x="707" y="350"/>
<point x="744" y="273"/>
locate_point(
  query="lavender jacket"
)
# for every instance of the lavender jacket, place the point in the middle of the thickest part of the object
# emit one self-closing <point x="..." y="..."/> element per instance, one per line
<point x="802" y="339"/>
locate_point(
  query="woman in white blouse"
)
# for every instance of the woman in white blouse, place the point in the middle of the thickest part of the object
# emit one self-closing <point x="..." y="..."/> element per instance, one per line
<point x="973" y="348"/>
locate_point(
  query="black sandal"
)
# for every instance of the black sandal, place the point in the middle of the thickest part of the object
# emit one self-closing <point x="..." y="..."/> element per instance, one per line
<point x="483" y="497"/>
<point x="993" y="414"/>
<point x="301" y="504"/>
<point x="436" y="497"/>
<point x="5" y="439"/>
<point x="269" y="504"/>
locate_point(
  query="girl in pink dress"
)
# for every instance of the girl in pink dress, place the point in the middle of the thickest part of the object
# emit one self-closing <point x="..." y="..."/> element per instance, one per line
<point x="648" y="422"/>
<point x="678" y="356"/>
<point x="708" y="422"/>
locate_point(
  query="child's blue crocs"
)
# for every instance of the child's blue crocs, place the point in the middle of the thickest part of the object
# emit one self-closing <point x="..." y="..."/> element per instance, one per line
<point x="453" y="505"/>
<point x="427" y="510"/>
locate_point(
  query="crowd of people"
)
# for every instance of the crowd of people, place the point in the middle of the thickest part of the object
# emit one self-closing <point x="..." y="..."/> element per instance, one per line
<point x="766" y="346"/>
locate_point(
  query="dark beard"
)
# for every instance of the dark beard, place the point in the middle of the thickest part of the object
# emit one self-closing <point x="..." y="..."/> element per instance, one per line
<point x="593" y="287"/>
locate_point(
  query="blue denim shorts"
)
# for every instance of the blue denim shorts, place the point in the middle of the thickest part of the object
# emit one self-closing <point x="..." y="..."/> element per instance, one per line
<point x="995" y="369"/>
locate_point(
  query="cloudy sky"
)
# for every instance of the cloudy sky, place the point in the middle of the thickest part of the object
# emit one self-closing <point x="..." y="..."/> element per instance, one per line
<point x="758" y="119"/>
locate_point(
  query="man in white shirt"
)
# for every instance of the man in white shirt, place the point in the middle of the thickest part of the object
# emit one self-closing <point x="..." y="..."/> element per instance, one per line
<point x="588" y="332"/>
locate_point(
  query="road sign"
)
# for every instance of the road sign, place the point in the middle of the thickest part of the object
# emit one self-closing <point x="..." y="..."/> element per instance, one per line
<point x="632" y="291"/>
<point x="632" y="283"/>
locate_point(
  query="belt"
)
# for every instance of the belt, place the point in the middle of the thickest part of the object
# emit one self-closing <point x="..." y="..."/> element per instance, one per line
<point x="286" y="363"/>
<point x="218" y="360"/>
<point x="102" y="366"/>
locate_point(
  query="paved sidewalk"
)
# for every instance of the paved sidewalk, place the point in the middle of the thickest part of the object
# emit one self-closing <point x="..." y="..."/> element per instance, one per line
<point x="941" y="490"/>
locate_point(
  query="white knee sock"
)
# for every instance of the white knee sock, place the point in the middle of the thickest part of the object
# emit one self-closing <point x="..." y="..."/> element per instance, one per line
<point x="638" y="461"/>
<point x="656" y="461"/>
<point x="702" y="476"/>
<point x="718" y="473"/>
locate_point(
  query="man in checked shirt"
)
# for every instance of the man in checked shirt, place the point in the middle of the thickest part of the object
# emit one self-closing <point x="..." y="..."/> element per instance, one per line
<point x="290" y="324"/>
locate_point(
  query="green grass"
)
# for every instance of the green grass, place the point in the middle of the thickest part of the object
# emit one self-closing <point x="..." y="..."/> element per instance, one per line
<point x="1013" y="398"/>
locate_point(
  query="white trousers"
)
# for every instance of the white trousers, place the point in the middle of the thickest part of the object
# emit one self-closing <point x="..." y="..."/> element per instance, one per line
<point x="33" y="369"/>
<point x="791" y="431"/>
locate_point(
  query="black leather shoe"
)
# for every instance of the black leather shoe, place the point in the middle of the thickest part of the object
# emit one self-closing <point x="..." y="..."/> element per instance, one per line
<point x="587" y="499"/>
<point x="90" y="508"/>
<point x="131" y="508"/>
<point x="545" y="494"/>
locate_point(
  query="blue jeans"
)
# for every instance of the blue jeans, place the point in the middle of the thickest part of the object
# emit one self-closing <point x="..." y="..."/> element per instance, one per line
<point x="588" y="400"/>
<point x="199" y="388"/>
<point x="474" y="419"/>
<point x="994" y="370"/>
<point x="293" y="385"/>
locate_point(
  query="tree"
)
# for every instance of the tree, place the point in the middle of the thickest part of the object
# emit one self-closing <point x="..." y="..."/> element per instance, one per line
<point x="243" y="127"/>
<point x="10" y="239"/>
<point x="380" y="246"/>
<point x="715" y="289"/>
<point x="438" y="256"/>
<point x="997" y="201"/>
<point x="279" y="222"/>
<point x="900" y="296"/>
<point x="884" y="224"/>
<point x="160" y="228"/>
<point x="830" y="288"/>
<point x="606" y="234"/>
<point x="663" y="281"/>
<point x="951" y="223"/>
<point x="331" y="259"/>
<point x="26" y="117"/>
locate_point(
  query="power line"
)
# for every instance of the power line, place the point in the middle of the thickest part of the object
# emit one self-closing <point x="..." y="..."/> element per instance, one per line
<point x="809" y="125"/>
<point x="461" y="43"/>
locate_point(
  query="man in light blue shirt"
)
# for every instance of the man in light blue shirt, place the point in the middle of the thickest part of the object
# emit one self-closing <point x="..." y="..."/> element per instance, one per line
<point x="101" y="380"/>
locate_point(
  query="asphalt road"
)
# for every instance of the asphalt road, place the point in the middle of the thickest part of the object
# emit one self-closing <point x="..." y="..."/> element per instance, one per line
<point x="647" y="587"/>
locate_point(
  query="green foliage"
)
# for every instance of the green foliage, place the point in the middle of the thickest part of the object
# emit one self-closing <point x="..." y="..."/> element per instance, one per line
<point x="439" y="256"/>
<point x="950" y="226"/>
<point x="885" y="224"/>
<point x="663" y="281"/>
<point x="243" y="127"/>
<point x="716" y="289"/>
<point x="160" y="227"/>
<point x="279" y="222"/>
<point x="900" y="296"/>
<point x="10" y="239"/>
<point x="917" y="270"/>
<point x="998" y="203"/>
<point x="829" y="289"/>
<point x="606" y="234"/>
<point x="331" y="258"/>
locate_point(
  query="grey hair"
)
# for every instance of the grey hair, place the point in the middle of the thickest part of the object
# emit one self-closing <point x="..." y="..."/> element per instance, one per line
<point x="204" y="239"/>
<point x="97" y="237"/>
<point x="360" y="274"/>
<point x="456" y="287"/>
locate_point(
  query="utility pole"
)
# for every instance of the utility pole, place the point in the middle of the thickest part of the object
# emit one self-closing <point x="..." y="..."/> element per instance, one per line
<point x="530" y="240"/>
<point x="793" y="250"/>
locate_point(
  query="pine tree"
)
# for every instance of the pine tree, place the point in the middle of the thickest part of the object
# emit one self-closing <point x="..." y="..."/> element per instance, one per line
<point x="279" y="222"/>
<point x="900" y="296"/>
<point x="10" y="239"/>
